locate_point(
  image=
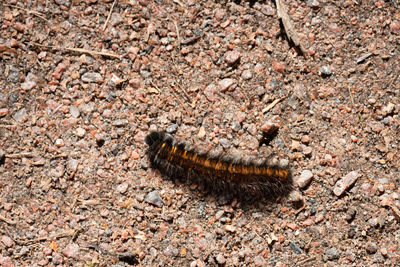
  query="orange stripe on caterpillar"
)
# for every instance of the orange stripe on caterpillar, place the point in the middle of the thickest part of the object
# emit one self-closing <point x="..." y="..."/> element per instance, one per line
<point x="221" y="175"/>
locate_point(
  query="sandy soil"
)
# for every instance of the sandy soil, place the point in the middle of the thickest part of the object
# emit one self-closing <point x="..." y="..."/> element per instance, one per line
<point x="79" y="92"/>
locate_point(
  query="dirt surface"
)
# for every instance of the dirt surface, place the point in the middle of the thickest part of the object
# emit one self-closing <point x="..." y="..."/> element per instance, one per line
<point x="79" y="92"/>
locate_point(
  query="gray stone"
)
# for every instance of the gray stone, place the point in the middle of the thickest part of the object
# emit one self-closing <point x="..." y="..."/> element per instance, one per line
<point x="19" y="115"/>
<point x="154" y="199"/>
<point x="74" y="111"/>
<point x="120" y="122"/>
<point x="332" y="254"/>
<point x="122" y="188"/>
<point x="172" y="128"/>
<point x="325" y="71"/>
<point x="293" y="246"/>
<point x="92" y="77"/>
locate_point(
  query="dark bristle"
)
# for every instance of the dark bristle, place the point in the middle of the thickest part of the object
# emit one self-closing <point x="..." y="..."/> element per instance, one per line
<point x="220" y="175"/>
<point x="153" y="137"/>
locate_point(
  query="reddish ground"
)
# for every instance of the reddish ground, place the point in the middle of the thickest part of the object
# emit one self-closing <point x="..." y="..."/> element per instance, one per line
<point x="77" y="100"/>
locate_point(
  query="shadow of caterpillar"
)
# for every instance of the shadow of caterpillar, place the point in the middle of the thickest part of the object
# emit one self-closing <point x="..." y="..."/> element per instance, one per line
<point x="220" y="175"/>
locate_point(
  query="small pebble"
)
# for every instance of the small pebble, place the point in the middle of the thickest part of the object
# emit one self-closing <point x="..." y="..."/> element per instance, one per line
<point x="247" y="74"/>
<point x="305" y="178"/>
<point x="30" y="82"/>
<point x="307" y="150"/>
<point x="19" y="115"/>
<point x="80" y="132"/>
<point x="201" y="133"/>
<point x="293" y="246"/>
<point x="371" y="247"/>
<point x="318" y="218"/>
<point x="305" y="139"/>
<point x="353" y="138"/>
<point x="121" y="123"/>
<point x="7" y="241"/>
<point x="74" y="111"/>
<point x="232" y="57"/>
<point x="313" y="4"/>
<point x="225" y="84"/>
<point x="260" y="261"/>
<point x="122" y="188"/>
<point x="350" y="214"/>
<point x="171" y="251"/>
<point x="230" y="228"/>
<point x="210" y="92"/>
<point x="345" y="183"/>
<point x="269" y="127"/>
<point x="219" y="13"/>
<point x="154" y="199"/>
<point x="325" y="71"/>
<point x="219" y="214"/>
<point x="332" y="254"/>
<point x="71" y="250"/>
<point x="3" y="112"/>
<point x="225" y="142"/>
<point x="72" y="165"/>
<point x="395" y="25"/>
<point x="221" y="259"/>
<point x="278" y="66"/>
<point x="295" y="146"/>
<point x="92" y="77"/>
<point x="172" y="128"/>
<point x="13" y="75"/>
<point x="388" y="109"/>
<point x="43" y="262"/>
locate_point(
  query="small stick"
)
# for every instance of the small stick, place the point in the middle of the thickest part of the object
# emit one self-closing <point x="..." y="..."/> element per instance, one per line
<point x="178" y="2"/>
<point x="287" y="24"/>
<point x="184" y="91"/>
<point x="177" y="33"/>
<point x="179" y="100"/>
<point x="7" y="220"/>
<point x="270" y="106"/>
<point x="39" y="15"/>
<point x="158" y="89"/>
<point x="109" y="15"/>
<point x="80" y="50"/>
<point x="45" y="238"/>
<point x="20" y="155"/>
<point x="307" y="260"/>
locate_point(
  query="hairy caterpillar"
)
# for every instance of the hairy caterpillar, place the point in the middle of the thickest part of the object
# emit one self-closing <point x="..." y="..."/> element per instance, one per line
<point x="238" y="178"/>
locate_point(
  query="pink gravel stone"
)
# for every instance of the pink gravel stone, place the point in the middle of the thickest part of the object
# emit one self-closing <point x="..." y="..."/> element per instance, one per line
<point x="345" y="183"/>
<point x="7" y="241"/>
<point x="305" y="178"/>
<point x="3" y="112"/>
<point x="232" y="57"/>
<point x="278" y="66"/>
<point x="225" y="84"/>
<point x="71" y="250"/>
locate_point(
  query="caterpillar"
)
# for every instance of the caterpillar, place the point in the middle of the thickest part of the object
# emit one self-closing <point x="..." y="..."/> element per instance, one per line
<point x="242" y="179"/>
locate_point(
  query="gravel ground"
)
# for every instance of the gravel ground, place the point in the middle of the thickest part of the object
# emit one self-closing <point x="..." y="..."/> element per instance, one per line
<point x="78" y="94"/>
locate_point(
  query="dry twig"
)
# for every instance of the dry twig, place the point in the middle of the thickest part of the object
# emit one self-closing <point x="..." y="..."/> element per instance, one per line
<point x="39" y="15"/>
<point x="287" y="24"/>
<point x="270" y="106"/>
<point x="7" y="220"/>
<point x="79" y="50"/>
<point x="20" y="155"/>
<point x="177" y="33"/>
<point x="72" y="233"/>
<point x="109" y="15"/>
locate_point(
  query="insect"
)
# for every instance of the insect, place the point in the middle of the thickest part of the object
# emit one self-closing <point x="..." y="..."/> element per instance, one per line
<point x="245" y="180"/>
